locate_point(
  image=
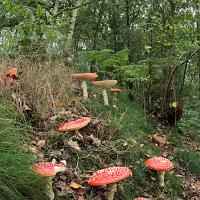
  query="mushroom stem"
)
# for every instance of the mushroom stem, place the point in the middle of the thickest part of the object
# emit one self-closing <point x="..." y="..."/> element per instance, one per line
<point x="105" y="97"/>
<point x="112" y="189"/>
<point x="49" y="189"/>
<point x="84" y="87"/>
<point x="162" y="179"/>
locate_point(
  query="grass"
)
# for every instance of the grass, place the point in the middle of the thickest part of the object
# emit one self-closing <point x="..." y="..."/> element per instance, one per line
<point x="44" y="86"/>
<point x="189" y="160"/>
<point x="17" y="182"/>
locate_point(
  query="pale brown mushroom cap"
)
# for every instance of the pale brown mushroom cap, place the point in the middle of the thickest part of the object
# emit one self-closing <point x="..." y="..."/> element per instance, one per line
<point x="105" y="83"/>
<point x="160" y="164"/>
<point x="115" y="90"/>
<point x="85" y="76"/>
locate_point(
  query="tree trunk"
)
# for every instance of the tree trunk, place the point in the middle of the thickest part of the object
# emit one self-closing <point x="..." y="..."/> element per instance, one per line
<point x="72" y="24"/>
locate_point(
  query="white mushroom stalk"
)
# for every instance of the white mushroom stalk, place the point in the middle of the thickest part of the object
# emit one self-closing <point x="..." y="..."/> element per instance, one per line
<point x="105" y="97"/>
<point x="161" y="179"/>
<point x="49" y="188"/>
<point x="85" y="90"/>
<point x="112" y="189"/>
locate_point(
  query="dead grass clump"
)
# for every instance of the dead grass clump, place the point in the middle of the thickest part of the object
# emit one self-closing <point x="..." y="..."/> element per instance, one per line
<point x="43" y="88"/>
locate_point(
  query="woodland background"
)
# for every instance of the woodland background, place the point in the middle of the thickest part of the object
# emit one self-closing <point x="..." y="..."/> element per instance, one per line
<point x="151" y="47"/>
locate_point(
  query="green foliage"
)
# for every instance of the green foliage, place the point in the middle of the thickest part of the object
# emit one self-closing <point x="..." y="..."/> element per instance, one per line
<point x="133" y="73"/>
<point x="115" y="60"/>
<point x="85" y="57"/>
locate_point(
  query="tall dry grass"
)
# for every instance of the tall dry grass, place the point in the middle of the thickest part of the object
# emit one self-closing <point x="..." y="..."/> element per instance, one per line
<point x="44" y="86"/>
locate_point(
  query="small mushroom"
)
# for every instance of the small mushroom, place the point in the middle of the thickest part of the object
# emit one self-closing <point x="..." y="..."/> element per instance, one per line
<point x="74" y="125"/>
<point x="105" y="84"/>
<point x="84" y="77"/>
<point x="48" y="170"/>
<point x="10" y="77"/>
<point x="141" y="198"/>
<point x="161" y="165"/>
<point x="12" y="72"/>
<point x="109" y="175"/>
<point x="115" y="90"/>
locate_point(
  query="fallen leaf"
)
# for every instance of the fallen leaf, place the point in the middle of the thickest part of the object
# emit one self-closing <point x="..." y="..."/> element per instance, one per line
<point x="41" y="143"/>
<point x="95" y="140"/>
<point x="53" y="118"/>
<point x="160" y="139"/>
<point x="73" y="145"/>
<point x="75" y="185"/>
<point x="141" y="145"/>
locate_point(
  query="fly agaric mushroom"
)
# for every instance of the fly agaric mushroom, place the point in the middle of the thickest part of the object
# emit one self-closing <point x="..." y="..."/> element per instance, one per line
<point x="74" y="125"/>
<point x="49" y="169"/>
<point x="105" y="84"/>
<point x="12" y="72"/>
<point x="10" y="77"/>
<point x="108" y="176"/>
<point x="83" y="77"/>
<point x="161" y="165"/>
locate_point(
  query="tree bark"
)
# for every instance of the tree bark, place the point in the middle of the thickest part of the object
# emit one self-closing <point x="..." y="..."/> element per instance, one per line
<point x="72" y="23"/>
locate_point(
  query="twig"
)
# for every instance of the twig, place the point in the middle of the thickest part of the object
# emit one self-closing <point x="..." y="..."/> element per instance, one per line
<point x="72" y="8"/>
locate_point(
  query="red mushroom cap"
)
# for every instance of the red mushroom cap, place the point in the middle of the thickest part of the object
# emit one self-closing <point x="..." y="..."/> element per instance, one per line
<point x="109" y="175"/>
<point x="85" y="76"/>
<point x="140" y="198"/>
<point x="12" y="72"/>
<point x="48" y="168"/>
<point x="160" y="164"/>
<point x="74" y="125"/>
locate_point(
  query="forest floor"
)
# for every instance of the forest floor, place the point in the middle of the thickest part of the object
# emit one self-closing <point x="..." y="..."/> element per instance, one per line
<point x="119" y="135"/>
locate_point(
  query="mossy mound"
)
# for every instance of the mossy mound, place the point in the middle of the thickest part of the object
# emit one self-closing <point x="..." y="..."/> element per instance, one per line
<point x="17" y="182"/>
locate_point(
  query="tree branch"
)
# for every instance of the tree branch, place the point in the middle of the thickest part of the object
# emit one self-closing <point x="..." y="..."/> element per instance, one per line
<point x="72" y="8"/>
<point x="174" y="70"/>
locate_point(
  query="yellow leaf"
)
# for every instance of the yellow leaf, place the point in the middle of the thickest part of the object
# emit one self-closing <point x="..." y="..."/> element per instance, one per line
<point x="174" y="104"/>
<point x="75" y="185"/>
